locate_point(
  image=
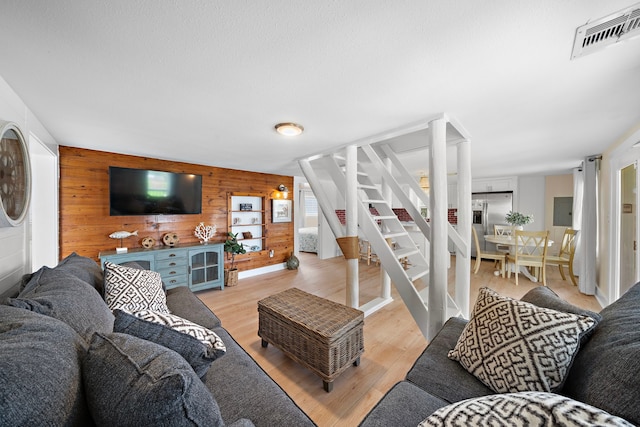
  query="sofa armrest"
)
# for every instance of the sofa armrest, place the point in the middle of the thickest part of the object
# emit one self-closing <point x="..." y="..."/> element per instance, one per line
<point x="435" y="373"/>
<point x="404" y="405"/>
<point x="184" y="303"/>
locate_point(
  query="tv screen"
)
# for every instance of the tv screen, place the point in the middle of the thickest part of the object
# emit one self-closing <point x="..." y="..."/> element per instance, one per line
<point x="148" y="192"/>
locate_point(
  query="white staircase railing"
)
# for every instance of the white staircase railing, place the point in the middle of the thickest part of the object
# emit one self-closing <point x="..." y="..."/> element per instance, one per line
<point x="399" y="255"/>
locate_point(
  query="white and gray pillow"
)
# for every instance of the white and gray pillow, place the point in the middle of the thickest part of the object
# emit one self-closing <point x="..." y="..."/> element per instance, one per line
<point x="132" y="289"/>
<point x="177" y="323"/>
<point x="525" y="409"/>
<point x="199" y="355"/>
<point x="514" y="346"/>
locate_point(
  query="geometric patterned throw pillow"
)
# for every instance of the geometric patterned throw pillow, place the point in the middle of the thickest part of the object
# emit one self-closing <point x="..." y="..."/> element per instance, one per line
<point x="131" y="289"/>
<point x="202" y="334"/>
<point x="530" y="408"/>
<point x="514" y="346"/>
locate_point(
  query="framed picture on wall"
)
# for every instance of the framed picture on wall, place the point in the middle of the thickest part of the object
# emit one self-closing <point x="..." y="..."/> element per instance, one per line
<point x="281" y="210"/>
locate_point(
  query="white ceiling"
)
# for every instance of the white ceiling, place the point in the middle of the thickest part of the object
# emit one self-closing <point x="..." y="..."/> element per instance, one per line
<point x="205" y="81"/>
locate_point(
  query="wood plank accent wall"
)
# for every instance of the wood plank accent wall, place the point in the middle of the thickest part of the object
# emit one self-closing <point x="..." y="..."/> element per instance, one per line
<point x="85" y="223"/>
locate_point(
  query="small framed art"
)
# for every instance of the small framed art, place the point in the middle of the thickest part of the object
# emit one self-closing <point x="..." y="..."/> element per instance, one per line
<point x="281" y="210"/>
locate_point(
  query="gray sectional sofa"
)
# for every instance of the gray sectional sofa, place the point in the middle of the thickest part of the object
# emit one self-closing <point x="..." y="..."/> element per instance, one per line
<point x="61" y="363"/>
<point x="604" y="374"/>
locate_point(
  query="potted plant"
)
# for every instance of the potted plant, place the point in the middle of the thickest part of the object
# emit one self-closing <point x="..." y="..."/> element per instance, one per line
<point x="517" y="220"/>
<point x="232" y="247"/>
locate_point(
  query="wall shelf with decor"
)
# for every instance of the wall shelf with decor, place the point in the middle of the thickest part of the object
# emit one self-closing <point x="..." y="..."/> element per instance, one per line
<point x="247" y="219"/>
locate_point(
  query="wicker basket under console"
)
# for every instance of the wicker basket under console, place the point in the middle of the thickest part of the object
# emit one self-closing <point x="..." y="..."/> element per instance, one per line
<point x="322" y="335"/>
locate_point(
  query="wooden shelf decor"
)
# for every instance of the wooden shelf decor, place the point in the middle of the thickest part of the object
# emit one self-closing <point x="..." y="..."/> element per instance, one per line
<point x="246" y="218"/>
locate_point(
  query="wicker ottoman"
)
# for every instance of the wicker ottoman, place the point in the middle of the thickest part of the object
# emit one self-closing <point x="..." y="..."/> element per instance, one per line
<point x="322" y="335"/>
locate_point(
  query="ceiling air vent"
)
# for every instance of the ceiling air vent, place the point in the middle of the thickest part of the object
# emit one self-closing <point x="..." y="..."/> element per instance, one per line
<point x="596" y="35"/>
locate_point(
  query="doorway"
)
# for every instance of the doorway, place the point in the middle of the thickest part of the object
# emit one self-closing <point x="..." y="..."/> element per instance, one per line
<point x="628" y="260"/>
<point x="44" y="205"/>
<point x="308" y="220"/>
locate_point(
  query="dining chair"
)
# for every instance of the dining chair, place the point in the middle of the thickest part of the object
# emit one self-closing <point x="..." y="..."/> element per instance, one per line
<point x="494" y="256"/>
<point x="565" y="256"/>
<point x="530" y="251"/>
<point x="366" y="254"/>
<point x="502" y="230"/>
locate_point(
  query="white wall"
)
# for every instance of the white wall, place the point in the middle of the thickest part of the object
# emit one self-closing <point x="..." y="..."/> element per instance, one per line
<point x="15" y="251"/>
<point x="44" y="201"/>
<point x="617" y="155"/>
<point x="531" y="201"/>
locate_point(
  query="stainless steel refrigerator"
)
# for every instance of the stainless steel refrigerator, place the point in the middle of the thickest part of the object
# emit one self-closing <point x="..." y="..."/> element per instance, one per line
<point x="489" y="209"/>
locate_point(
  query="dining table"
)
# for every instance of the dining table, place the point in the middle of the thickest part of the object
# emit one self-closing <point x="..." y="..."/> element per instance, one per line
<point x="510" y="241"/>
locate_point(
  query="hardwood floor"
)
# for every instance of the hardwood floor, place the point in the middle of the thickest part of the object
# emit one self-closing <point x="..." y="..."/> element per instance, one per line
<point x="391" y="338"/>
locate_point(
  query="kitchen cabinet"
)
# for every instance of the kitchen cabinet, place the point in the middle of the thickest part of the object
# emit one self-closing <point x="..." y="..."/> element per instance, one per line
<point x="508" y="183"/>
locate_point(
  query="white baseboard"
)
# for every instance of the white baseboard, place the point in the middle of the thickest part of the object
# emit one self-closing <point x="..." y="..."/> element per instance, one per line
<point x="261" y="270"/>
<point x="601" y="298"/>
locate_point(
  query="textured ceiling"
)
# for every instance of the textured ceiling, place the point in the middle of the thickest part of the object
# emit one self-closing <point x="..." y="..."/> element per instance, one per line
<point x="206" y="81"/>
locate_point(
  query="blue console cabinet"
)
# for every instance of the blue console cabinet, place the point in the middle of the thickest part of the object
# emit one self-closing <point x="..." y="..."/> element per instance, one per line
<point x="196" y="266"/>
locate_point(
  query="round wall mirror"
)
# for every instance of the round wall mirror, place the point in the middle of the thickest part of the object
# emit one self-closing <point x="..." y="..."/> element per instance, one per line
<point x="15" y="176"/>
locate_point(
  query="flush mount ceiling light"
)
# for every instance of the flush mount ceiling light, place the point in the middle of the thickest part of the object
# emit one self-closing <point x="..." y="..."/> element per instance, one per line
<point x="289" y="129"/>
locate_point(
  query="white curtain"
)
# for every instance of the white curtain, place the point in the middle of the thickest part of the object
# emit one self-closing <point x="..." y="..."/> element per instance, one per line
<point x="589" y="227"/>
<point x="578" y="191"/>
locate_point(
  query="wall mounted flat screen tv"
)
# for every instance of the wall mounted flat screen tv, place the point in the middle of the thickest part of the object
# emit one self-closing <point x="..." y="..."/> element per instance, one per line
<point x="148" y="192"/>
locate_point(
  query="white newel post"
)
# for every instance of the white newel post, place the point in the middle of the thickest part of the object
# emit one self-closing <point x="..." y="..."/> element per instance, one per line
<point x="387" y="193"/>
<point x="463" y="263"/>
<point x="351" y="205"/>
<point x="439" y="224"/>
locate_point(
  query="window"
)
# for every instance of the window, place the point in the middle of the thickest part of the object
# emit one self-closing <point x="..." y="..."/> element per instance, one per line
<point x="310" y="209"/>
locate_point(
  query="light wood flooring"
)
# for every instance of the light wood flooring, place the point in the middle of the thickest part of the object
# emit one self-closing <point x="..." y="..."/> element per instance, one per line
<point x="392" y="340"/>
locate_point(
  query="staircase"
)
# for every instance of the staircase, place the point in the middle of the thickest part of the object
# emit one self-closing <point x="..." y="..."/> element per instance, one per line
<point x="379" y="170"/>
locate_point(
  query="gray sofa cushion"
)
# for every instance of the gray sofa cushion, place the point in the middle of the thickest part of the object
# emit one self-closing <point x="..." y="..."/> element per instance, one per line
<point x="83" y="268"/>
<point x="134" y="382"/>
<point x="244" y="390"/>
<point x="242" y="422"/>
<point x="184" y="303"/>
<point x="40" y="371"/>
<point x="59" y="294"/>
<point x="195" y="352"/>
<point x="442" y="377"/>
<point x="606" y="371"/>
<point x="403" y="405"/>
<point x="11" y="292"/>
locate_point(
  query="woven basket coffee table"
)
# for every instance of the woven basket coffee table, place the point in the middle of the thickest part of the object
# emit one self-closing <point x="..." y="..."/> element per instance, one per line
<point x="322" y="335"/>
